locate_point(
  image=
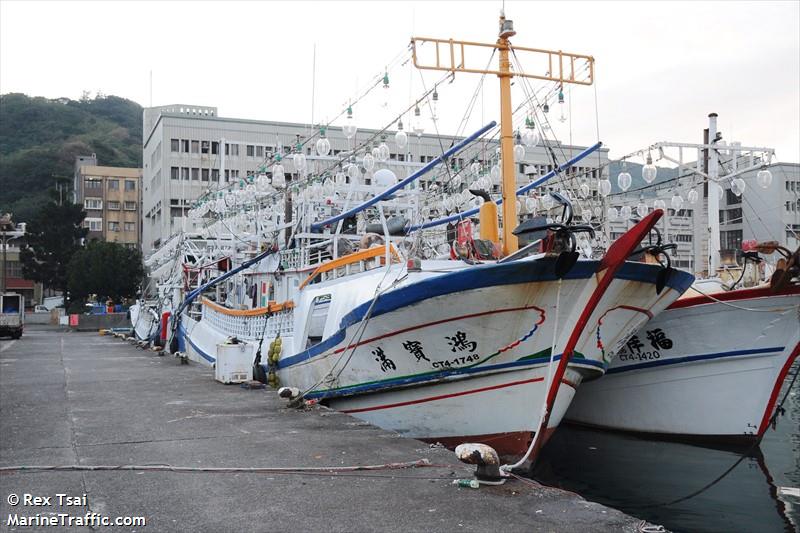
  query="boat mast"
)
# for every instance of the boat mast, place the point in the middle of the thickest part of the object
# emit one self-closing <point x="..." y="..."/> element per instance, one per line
<point x="450" y="55"/>
<point x="509" y="181"/>
<point x="713" y="197"/>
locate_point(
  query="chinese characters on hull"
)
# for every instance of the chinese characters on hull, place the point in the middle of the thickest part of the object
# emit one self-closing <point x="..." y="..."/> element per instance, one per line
<point x="385" y="362"/>
<point x="635" y="349"/>
<point x="459" y="342"/>
<point x="415" y="349"/>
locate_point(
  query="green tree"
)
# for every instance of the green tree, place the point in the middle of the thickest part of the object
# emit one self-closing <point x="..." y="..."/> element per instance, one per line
<point x="40" y="137"/>
<point x="53" y="235"/>
<point x="108" y="270"/>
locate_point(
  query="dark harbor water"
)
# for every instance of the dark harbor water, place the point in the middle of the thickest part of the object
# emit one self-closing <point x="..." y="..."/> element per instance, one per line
<point x="636" y="475"/>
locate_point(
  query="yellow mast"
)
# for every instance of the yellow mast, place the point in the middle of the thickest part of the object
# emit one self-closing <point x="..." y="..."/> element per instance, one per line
<point x="561" y="66"/>
<point x="509" y="182"/>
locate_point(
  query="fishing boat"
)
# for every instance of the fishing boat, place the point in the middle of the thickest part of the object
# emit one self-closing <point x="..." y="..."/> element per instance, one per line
<point x="472" y="338"/>
<point x="437" y="349"/>
<point x="712" y="365"/>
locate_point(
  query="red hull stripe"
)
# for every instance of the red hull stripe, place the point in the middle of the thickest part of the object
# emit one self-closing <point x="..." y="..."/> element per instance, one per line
<point x="727" y="296"/>
<point x="609" y="265"/>
<point x="442" y="396"/>
<point x="437" y="322"/>
<point x="777" y="389"/>
<point x="642" y="310"/>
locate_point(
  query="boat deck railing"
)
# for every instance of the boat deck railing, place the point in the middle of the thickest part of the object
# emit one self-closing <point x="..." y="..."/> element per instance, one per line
<point x="271" y="321"/>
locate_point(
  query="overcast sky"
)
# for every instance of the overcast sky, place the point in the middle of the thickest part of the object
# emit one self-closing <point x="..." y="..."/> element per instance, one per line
<point x="660" y="67"/>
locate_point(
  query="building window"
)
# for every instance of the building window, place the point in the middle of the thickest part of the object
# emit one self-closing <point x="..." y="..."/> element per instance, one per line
<point x="112" y="205"/>
<point x="113" y="226"/>
<point x="113" y="185"/>
<point x="205" y="174"/>
<point x="214" y="147"/>
<point x="94" y="224"/>
<point x="185" y="146"/>
<point x="93" y="184"/>
<point x="683" y="237"/>
<point x="214" y="174"/>
<point x="195" y="174"/>
<point x="92" y="203"/>
<point x="175" y="173"/>
<point x="184" y="173"/>
<point x="195" y="147"/>
<point x="732" y="198"/>
<point x="259" y="151"/>
<point x="251" y="150"/>
<point x="204" y="147"/>
<point x="231" y="149"/>
<point x="227" y="175"/>
<point x="730" y="240"/>
<point x="175" y="145"/>
<point x="130" y="226"/>
<point x="130" y="206"/>
<point x="130" y="185"/>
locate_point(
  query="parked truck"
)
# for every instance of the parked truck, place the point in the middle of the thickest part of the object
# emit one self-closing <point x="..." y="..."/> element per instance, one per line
<point x="12" y="315"/>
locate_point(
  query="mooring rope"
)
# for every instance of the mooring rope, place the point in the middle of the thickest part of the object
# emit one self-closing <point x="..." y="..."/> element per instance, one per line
<point x="507" y="468"/>
<point x="723" y="302"/>
<point x="420" y="463"/>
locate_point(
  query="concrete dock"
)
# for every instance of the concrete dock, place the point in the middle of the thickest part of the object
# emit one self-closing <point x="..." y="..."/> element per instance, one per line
<point x="71" y="398"/>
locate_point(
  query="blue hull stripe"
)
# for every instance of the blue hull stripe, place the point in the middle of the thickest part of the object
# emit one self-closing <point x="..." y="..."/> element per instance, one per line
<point x="492" y="275"/>
<point x="186" y="337"/>
<point x="692" y="358"/>
<point x="390" y="384"/>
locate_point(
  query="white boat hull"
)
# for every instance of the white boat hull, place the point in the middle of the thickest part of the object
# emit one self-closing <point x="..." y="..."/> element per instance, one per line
<point x="494" y="390"/>
<point x="719" y="377"/>
<point x="144" y="321"/>
<point x="496" y="409"/>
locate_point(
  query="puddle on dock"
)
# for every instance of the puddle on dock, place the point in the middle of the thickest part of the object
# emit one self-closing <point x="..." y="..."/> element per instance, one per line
<point x="635" y="475"/>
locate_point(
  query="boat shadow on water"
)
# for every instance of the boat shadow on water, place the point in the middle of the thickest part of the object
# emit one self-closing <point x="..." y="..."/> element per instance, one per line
<point x="651" y="479"/>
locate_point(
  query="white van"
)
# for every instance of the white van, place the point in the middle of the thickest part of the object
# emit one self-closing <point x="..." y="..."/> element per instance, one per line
<point x="12" y="315"/>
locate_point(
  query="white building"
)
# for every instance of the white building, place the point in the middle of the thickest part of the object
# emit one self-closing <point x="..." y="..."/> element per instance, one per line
<point x="188" y="150"/>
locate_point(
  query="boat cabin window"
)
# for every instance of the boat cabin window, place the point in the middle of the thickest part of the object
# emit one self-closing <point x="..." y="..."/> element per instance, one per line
<point x="317" y="316"/>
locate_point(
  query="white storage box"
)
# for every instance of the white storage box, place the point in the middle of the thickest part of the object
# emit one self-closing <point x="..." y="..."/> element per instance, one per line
<point x="234" y="363"/>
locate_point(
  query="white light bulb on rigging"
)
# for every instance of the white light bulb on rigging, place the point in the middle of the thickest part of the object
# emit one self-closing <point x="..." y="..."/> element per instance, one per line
<point x="738" y="186"/>
<point x="624" y="179"/>
<point x="676" y="202"/>
<point x="323" y="146"/>
<point x="641" y="209"/>
<point x="649" y="170"/>
<point x="604" y="187"/>
<point x="369" y="161"/>
<point x="764" y="178"/>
